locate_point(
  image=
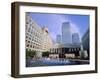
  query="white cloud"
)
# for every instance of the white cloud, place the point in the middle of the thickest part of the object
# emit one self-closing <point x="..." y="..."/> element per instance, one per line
<point x="58" y="20"/>
<point x="54" y="23"/>
<point x="75" y="29"/>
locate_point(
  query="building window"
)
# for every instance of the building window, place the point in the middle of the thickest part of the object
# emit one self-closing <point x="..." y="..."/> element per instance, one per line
<point x="28" y="41"/>
<point x="29" y="38"/>
<point x="27" y="22"/>
<point x="75" y="49"/>
<point x="27" y="45"/>
<point x="29" y="30"/>
<point x="30" y="45"/>
<point x="26" y="36"/>
<point x="30" y="35"/>
<point x="69" y="49"/>
<point x="72" y="50"/>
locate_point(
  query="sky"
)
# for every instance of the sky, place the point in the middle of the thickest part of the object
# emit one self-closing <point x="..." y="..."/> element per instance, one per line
<point x="79" y="23"/>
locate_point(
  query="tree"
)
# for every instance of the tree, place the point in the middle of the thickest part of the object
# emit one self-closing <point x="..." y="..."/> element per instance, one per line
<point x="45" y="54"/>
<point x="30" y="54"/>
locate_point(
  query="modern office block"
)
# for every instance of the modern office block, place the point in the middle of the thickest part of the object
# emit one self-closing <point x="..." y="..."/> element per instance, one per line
<point x="66" y="33"/>
<point x="86" y="42"/>
<point x="58" y="39"/>
<point x="69" y="50"/>
<point x="75" y="38"/>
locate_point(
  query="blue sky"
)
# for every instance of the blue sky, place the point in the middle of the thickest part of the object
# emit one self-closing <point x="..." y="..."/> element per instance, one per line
<point x="79" y="23"/>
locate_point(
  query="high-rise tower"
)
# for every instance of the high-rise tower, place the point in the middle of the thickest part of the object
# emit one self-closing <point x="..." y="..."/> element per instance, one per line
<point x="66" y="33"/>
<point x="75" y="38"/>
<point x="58" y="38"/>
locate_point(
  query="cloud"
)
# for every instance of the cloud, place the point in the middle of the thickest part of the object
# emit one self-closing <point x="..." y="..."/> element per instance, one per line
<point x="75" y="29"/>
<point x="56" y="25"/>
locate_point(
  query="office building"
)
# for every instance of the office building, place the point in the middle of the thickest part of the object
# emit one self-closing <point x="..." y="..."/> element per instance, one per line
<point x="68" y="50"/>
<point x="86" y="42"/>
<point x="75" y="38"/>
<point x="66" y="33"/>
<point x="58" y="39"/>
<point x="33" y="35"/>
<point x="37" y="38"/>
<point x="47" y="41"/>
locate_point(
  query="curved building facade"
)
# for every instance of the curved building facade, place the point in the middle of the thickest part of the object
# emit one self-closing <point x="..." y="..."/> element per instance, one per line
<point x="37" y="38"/>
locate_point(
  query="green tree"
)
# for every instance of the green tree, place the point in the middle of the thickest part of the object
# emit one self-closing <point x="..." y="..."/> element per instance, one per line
<point x="45" y="54"/>
<point x="30" y="54"/>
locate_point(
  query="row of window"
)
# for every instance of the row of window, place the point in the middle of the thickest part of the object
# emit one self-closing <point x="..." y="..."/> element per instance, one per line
<point x="34" y="46"/>
<point x="34" y="34"/>
<point x="34" y="31"/>
<point x="37" y="39"/>
<point x="32" y="28"/>
<point x="65" y="50"/>
<point x="34" y="39"/>
<point x="33" y="43"/>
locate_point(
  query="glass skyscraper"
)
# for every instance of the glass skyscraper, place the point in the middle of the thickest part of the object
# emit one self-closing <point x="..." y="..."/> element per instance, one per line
<point x="58" y="38"/>
<point x="66" y="33"/>
<point x="75" y="38"/>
